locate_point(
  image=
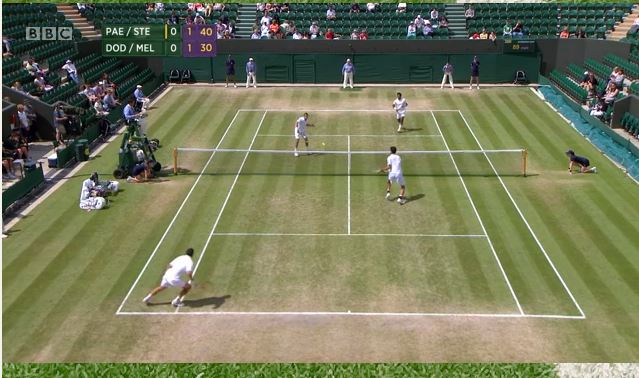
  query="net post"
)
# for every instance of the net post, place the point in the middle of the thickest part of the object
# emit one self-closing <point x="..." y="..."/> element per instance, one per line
<point x="175" y="159"/>
<point x="524" y="160"/>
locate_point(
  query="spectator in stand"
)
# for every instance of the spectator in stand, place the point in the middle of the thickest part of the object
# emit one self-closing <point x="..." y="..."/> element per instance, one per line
<point x="7" y="165"/>
<point x="220" y="28"/>
<point x="635" y="26"/>
<point x="306" y="35"/>
<point x="72" y="72"/>
<point x="284" y="8"/>
<point x="483" y="34"/>
<point x="296" y="34"/>
<point x="188" y="20"/>
<point x="265" y="19"/>
<point x="264" y="31"/>
<point x="355" y="8"/>
<point x="88" y="93"/>
<point x="507" y="30"/>
<point x="401" y="8"/>
<point x="419" y="22"/>
<point x="286" y="26"/>
<point x="231" y="29"/>
<point x="330" y="13"/>
<point x="434" y="15"/>
<point x="619" y="78"/>
<point x="474" y="35"/>
<point x="427" y="30"/>
<point x="274" y="27"/>
<point x="584" y="81"/>
<point x="109" y="100"/>
<point x="611" y="93"/>
<point x="251" y="73"/>
<point x="448" y="74"/>
<point x="260" y="7"/>
<point x="199" y="20"/>
<point x="518" y="29"/>
<point x="363" y="35"/>
<point x="218" y="7"/>
<point x="268" y="8"/>
<point x="60" y="120"/>
<point x="173" y="19"/>
<point x="492" y="37"/>
<point x="443" y="22"/>
<point x="580" y="33"/>
<point x="208" y="9"/>
<point x="348" y="69"/>
<point x="329" y="34"/>
<point x="34" y="68"/>
<point x="99" y="109"/>
<point x="6" y="46"/>
<point x="591" y="84"/>
<point x="355" y="34"/>
<point x="372" y="7"/>
<point x="314" y="30"/>
<point x="469" y="13"/>
<point x="564" y="33"/>
<point x="41" y="85"/>
<point x="411" y="33"/>
<point x="256" y="34"/>
<point x="17" y="86"/>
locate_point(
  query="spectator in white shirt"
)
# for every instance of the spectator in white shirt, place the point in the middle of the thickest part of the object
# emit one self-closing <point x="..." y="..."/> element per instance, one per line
<point x="355" y="34"/>
<point x="469" y="13"/>
<point x="371" y="7"/>
<point x="256" y="35"/>
<point x="419" y="22"/>
<point x="314" y="30"/>
<point x="434" y="14"/>
<point x="296" y="34"/>
<point x="330" y="13"/>
<point x="401" y="8"/>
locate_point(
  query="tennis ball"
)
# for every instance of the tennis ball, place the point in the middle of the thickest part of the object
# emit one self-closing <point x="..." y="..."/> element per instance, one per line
<point x="323" y="144"/>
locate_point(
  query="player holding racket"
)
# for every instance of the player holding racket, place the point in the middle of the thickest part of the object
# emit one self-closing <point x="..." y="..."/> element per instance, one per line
<point x="394" y="169"/>
<point x="300" y="131"/>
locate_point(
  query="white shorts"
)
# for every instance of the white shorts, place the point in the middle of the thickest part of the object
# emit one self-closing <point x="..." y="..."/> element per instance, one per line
<point x="401" y="114"/>
<point x="396" y="177"/>
<point x="301" y="134"/>
<point x="172" y="282"/>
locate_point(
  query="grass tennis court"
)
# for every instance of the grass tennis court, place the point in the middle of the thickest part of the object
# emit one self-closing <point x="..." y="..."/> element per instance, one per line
<point x="481" y="264"/>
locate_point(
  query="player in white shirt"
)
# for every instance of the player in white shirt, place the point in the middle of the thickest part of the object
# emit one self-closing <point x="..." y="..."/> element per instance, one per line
<point x="400" y="104"/>
<point x="394" y="169"/>
<point x="300" y="131"/>
<point x="181" y="265"/>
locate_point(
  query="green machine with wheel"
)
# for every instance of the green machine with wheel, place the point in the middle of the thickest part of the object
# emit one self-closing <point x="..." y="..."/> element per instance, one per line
<point x="135" y="148"/>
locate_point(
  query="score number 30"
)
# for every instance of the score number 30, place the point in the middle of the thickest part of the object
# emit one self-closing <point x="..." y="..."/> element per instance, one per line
<point x="203" y="47"/>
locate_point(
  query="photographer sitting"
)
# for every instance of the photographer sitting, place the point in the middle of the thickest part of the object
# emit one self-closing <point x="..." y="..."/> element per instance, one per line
<point x="89" y="198"/>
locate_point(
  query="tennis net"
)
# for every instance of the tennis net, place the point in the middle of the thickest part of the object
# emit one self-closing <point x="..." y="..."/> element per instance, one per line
<point x="225" y="161"/>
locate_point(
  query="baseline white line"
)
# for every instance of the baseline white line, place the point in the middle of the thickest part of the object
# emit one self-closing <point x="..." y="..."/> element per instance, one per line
<point x="360" y="135"/>
<point x="521" y="214"/>
<point x="490" y="243"/>
<point x="346" y="110"/>
<point x="351" y="234"/>
<point x="226" y="200"/>
<point x="358" y="314"/>
<point x="349" y="185"/>
<point x="168" y="228"/>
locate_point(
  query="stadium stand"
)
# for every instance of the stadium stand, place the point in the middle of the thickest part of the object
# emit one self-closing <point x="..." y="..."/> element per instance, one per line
<point x="630" y="123"/>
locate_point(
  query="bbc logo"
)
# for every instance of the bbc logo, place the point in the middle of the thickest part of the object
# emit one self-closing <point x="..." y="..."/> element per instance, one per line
<point x="49" y="33"/>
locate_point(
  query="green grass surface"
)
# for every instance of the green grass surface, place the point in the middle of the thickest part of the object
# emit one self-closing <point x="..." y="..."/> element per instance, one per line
<point x="278" y="370"/>
<point x="66" y="272"/>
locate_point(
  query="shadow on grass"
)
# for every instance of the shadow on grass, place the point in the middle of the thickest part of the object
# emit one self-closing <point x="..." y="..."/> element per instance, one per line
<point x="215" y="302"/>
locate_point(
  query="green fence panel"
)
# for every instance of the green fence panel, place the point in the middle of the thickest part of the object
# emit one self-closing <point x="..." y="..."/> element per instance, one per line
<point x="21" y="188"/>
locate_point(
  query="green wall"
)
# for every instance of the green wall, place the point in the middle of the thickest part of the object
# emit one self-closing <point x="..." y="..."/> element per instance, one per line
<point x="370" y="68"/>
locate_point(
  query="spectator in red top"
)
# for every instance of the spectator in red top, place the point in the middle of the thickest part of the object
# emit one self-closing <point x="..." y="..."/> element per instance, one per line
<point x="564" y="33"/>
<point x="329" y="34"/>
<point x="363" y="34"/>
<point x="274" y="27"/>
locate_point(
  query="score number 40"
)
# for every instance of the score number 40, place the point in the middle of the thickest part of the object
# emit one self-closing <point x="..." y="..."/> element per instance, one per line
<point x="205" y="32"/>
<point x="203" y="47"/>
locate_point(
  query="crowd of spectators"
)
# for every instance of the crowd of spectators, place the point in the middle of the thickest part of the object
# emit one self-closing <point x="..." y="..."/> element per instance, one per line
<point x="422" y="26"/>
<point x="603" y="99"/>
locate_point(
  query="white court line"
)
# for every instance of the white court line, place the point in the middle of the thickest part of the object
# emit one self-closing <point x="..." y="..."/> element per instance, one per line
<point x="346" y="110"/>
<point x="490" y="243"/>
<point x="360" y="135"/>
<point x="226" y="200"/>
<point x="349" y="184"/>
<point x="541" y="247"/>
<point x="168" y="228"/>
<point x="351" y="234"/>
<point x="357" y="314"/>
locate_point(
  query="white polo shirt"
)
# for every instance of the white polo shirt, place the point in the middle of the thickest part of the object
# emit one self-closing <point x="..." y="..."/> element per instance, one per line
<point x="179" y="266"/>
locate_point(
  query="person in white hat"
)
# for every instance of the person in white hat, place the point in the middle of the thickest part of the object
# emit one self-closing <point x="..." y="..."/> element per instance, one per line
<point x="142" y="102"/>
<point x="72" y="72"/>
<point x="250" y="73"/>
<point x="347" y="70"/>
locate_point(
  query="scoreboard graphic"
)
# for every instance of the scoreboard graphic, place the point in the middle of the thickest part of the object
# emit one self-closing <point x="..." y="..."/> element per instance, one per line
<point x="189" y="41"/>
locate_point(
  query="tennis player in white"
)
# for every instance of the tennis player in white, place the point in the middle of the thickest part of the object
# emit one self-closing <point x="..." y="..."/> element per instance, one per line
<point x="300" y="131"/>
<point x="181" y="265"/>
<point x="400" y="106"/>
<point x="394" y="169"/>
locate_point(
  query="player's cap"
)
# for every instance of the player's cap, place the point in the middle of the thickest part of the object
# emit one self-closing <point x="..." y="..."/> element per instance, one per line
<point x="138" y="86"/>
<point x="250" y="59"/>
<point x="419" y="16"/>
<point x="68" y="61"/>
